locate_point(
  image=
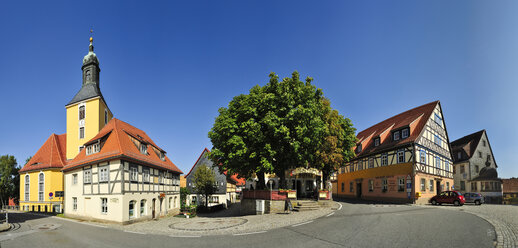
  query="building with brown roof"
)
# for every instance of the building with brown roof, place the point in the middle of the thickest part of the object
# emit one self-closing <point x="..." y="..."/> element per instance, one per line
<point x="405" y="158"/>
<point x="475" y="168"/>
<point x="41" y="178"/>
<point x="121" y="176"/>
<point x="510" y="190"/>
<point x="105" y="168"/>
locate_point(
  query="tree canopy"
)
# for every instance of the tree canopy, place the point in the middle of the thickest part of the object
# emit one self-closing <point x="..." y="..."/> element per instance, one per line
<point x="9" y="178"/>
<point x="205" y="182"/>
<point x="280" y="126"/>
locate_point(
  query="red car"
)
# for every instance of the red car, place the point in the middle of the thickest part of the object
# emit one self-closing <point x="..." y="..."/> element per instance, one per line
<point x="451" y="197"/>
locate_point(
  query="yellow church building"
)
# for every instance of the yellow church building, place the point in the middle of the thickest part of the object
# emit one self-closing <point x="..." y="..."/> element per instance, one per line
<point x="41" y="179"/>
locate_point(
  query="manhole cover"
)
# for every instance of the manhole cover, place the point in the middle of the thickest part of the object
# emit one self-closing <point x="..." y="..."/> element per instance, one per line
<point x="205" y="225"/>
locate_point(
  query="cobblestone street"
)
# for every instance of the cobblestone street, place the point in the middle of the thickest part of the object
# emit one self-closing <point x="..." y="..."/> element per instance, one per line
<point x="503" y="217"/>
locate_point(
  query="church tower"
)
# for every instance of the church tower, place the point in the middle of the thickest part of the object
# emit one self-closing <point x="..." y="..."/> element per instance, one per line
<point x="87" y="112"/>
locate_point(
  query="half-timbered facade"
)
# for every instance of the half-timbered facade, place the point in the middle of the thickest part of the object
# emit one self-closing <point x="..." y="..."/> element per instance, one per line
<point x="405" y="158"/>
<point x="121" y="176"/>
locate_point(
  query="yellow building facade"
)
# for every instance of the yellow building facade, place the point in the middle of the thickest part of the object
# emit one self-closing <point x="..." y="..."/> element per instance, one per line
<point x="41" y="179"/>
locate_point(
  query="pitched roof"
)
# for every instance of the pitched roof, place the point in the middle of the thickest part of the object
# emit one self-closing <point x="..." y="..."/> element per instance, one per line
<point x="415" y="118"/>
<point x="466" y="145"/>
<point x="116" y="136"/>
<point x="87" y="91"/>
<point x="239" y="181"/>
<point x="52" y="154"/>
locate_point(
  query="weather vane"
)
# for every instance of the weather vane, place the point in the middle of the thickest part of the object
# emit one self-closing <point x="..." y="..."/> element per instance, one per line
<point x="91" y="34"/>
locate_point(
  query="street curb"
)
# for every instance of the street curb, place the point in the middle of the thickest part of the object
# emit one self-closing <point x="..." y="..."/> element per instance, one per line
<point x="4" y="227"/>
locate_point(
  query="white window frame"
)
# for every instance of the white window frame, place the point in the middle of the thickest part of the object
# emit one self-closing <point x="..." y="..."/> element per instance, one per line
<point x="371" y="185"/>
<point x="27" y="187"/>
<point x="395" y="135"/>
<point x="371" y="162"/>
<point x="143" y="148"/>
<point x="384" y="159"/>
<point x="96" y="148"/>
<point x="79" y="111"/>
<point x="422" y="156"/>
<point x="430" y="186"/>
<point x="437" y="162"/>
<point x="87" y="176"/>
<point x="401" y="184"/>
<point x="134" y="173"/>
<point x="145" y="175"/>
<point x="74" y="203"/>
<point x="384" y="185"/>
<point x="131" y="212"/>
<point x="74" y="178"/>
<point x="401" y="156"/>
<point x="81" y="132"/>
<point x="41" y="187"/>
<point x="104" y="174"/>
<point x="89" y="150"/>
<point x="104" y="205"/>
<point x="404" y="133"/>
<point x="423" y="184"/>
<point x="376" y="141"/>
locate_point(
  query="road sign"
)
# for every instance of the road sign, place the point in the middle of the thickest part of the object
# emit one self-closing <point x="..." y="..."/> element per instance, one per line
<point x="60" y="194"/>
<point x="51" y="194"/>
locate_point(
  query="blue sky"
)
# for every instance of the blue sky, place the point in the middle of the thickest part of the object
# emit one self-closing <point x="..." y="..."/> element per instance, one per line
<point x="166" y="67"/>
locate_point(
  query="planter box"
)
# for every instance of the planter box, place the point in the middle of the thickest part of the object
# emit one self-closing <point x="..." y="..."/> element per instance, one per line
<point x="274" y="195"/>
<point x="324" y="195"/>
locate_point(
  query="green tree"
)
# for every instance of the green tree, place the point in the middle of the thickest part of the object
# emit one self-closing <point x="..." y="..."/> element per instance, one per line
<point x="205" y="182"/>
<point x="337" y="147"/>
<point x="184" y="191"/>
<point x="274" y="128"/>
<point x="8" y="178"/>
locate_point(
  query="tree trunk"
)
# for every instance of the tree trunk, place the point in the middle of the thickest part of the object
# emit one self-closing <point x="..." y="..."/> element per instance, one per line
<point x="207" y="201"/>
<point x="325" y="177"/>
<point x="261" y="183"/>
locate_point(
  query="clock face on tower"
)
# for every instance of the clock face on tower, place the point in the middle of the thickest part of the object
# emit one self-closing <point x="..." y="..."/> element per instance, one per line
<point x="88" y="75"/>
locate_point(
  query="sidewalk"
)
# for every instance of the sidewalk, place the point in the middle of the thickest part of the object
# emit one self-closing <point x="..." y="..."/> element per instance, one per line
<point x="226" y="222"/>
<point x="4" y="227"/>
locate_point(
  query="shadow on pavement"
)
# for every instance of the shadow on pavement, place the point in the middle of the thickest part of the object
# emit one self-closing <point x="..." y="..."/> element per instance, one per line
<point x="362" y="201"/>
<point x="20" y="217"/>
<point x="232" y="211"/>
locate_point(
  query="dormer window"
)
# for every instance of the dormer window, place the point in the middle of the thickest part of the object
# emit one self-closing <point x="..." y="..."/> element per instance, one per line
<point x="404" y="133"/>
<point x="396" y="135"/>
<point x="459" y="155"/>
<point x="377" y="141"/>
<point x="359" y="148"/>
<point x="94" y="148"/>
<point x="143" y="148"/>
<point x="162" y="156"/>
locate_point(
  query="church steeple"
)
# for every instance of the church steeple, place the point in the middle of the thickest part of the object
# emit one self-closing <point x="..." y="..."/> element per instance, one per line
<point x="91" y="66"/>
<point x="87" y="112"/>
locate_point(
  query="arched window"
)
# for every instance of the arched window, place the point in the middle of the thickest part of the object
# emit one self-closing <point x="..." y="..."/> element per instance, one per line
<point x="142" y="207"/>
<point x="41" y="187"/>
<point x="132" y="209"/>
<point x="82" y="112"/>
<point x="27" y="187"/>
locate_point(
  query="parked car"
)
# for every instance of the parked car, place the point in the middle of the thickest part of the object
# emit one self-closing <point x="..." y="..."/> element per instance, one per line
<point x="451" y="197"/>
<point x="476" y="198"/>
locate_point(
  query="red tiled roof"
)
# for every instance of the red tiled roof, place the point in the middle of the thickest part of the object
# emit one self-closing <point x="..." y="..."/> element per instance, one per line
<point x="118" y="144"/>
<point x="52" y="154"/>
<point x="238" y="181"/>
<point x="415" y="118"/>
